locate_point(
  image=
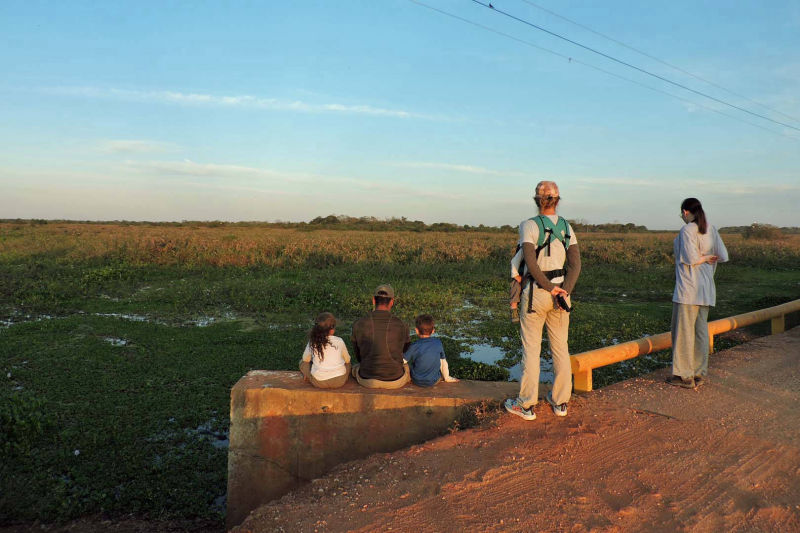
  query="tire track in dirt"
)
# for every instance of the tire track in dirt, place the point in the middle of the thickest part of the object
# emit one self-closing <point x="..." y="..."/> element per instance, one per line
<point x="508" y="487"/>
<point x="458" y="494"/>
<point x="740" y="486"/>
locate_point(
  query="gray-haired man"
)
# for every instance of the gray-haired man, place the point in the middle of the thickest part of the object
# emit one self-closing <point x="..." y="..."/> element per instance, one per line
<point x="552" y="266"/>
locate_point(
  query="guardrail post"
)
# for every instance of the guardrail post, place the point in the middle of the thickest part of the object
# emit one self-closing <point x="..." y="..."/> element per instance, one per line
<point x="582" y="381"/>
<point x="779" y="324"/>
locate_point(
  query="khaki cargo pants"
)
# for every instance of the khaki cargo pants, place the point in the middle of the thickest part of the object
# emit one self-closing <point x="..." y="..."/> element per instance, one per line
<point x="544" y="314"/>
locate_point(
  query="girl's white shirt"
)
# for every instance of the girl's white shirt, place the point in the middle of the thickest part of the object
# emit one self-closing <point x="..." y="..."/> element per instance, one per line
<point x="694" y="277"/>
<point x="332" y="364"/>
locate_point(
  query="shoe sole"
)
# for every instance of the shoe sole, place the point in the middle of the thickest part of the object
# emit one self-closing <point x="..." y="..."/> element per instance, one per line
<point x="550" y="401"/>
<point x="522" y="416"/>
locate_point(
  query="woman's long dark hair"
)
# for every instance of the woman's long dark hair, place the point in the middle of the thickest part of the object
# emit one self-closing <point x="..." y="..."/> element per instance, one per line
<point x="318" y="336"/>
<point x="696" y="209"/>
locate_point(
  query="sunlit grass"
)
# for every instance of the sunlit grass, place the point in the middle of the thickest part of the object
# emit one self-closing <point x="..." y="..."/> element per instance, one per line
<point x="113" y="395"/>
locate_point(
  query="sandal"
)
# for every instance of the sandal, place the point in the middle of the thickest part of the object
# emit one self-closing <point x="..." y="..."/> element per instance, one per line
<point x="686" y="383"/>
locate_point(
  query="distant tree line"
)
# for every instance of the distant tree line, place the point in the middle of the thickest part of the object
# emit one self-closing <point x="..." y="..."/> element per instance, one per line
<point x="403" y="224"/>
<point x="344" y="222"/>
<point x="613" y="227"/>
<point x="760" y="231"/>
<point x="396" y="224"/>
<point x="340" y="222"/>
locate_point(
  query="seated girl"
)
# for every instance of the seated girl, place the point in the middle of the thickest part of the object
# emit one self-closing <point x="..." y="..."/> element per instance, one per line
<point x="325" y="362"/>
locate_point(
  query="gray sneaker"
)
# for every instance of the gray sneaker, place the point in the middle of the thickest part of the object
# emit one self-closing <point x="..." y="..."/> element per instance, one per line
<point x="558" y="409"/>
<point x="514" y="407"/>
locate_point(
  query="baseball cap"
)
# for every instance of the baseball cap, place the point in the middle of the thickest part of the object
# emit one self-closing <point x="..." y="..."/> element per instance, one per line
<point x="385" y="290"/>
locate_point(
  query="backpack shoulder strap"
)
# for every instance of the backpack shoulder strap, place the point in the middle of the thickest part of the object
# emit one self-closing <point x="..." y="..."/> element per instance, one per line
<point x="562" y="232"/>
<point x="541" y="225"/>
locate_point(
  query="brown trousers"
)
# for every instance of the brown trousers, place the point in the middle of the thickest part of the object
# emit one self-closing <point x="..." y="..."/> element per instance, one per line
<point x="378" y="384"/>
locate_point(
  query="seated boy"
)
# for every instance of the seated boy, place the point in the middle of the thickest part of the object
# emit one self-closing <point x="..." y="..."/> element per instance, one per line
<point x="425" y="356"/>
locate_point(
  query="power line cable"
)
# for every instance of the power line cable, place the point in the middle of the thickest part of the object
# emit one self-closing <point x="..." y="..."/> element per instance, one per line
<point x="670" y="65"/>
<point x="599" y="69"/>
<point x="643" y="71"/>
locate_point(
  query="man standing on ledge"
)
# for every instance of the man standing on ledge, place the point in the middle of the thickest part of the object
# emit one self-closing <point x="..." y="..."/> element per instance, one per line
<point x="552" y="266"/>
<point x="379" y="340"/>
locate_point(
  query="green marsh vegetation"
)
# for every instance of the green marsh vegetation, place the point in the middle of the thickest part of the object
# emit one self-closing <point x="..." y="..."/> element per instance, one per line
<point x="119" y="343"/>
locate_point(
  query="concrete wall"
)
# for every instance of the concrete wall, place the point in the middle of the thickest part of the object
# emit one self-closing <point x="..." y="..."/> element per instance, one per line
<point x="285" y="432"/>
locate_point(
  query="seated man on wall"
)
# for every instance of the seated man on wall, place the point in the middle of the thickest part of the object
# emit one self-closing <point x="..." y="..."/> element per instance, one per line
<point x="379" y="340"/>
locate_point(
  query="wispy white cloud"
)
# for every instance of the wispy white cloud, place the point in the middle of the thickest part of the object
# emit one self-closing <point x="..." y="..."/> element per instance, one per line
<point x="622" y="182"/>
<point x="202" y="170"/>
<point x="134" y="146"/>
<point x="468" y="169"/>
<point x="690" y="107"/>
<point x="752" y="188"/>
<point x="236" y="101"/>
<point x="245" y="175"/>
<point x="786" y="71"/>
<point x="734" y="188"/>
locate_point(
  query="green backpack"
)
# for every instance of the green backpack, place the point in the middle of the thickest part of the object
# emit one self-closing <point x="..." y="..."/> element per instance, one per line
<point x="548" y="232"/>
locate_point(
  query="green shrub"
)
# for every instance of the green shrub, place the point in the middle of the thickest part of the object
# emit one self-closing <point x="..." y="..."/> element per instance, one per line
<point x="464" y="368"/>
<point x="22" y="421"/>
<point x="762" y="231"/>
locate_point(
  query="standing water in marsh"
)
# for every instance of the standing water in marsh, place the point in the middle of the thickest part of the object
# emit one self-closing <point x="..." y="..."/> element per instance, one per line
<point x="486" y="353"/>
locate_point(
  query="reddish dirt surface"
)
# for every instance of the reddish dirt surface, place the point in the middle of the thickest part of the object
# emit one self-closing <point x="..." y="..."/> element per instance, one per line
<point x="637" y="456"/>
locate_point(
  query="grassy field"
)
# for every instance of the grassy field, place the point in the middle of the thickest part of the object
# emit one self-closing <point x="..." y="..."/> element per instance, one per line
<point x="119" y="344"/>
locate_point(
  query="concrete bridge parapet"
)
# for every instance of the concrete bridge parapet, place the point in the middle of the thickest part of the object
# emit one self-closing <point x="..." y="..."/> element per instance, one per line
<point x="285" y="432"/>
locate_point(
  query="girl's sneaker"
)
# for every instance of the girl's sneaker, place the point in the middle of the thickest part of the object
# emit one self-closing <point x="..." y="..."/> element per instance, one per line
<point x="514" y="407"/>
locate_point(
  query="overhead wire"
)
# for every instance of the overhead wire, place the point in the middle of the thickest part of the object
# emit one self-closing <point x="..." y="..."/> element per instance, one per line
<point x="665" y="63"/>
<point x="489" y="6"/>
<point x="589" y="65"/>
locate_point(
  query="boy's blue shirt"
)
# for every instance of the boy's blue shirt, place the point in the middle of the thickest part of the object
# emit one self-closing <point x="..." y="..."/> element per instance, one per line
<point x="423" y="358"/>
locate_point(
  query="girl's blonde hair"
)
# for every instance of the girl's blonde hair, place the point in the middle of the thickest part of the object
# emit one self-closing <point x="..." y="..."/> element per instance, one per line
<point x="318" y="335"/>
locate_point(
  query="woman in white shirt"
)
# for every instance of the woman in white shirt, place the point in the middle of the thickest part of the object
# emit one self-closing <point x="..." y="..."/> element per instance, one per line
<point x="326" y="361"/>
<point x="697" y="248"/>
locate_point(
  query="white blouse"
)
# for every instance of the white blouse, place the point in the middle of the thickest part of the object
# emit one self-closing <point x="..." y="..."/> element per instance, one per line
<point x="335" y="356"/>
<point x="694" y="277"/>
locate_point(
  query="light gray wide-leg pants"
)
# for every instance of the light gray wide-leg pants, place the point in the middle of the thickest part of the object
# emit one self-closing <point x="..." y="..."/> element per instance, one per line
<point x="557" y="323"/>
<point x="689" y="340"/>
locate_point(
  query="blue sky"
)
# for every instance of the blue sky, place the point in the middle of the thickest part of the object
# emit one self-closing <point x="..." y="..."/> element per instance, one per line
<point x="292" y="110"/>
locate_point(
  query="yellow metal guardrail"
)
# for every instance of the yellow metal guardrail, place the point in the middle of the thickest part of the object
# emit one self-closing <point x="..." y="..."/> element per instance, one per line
<point x="583" y="363"/>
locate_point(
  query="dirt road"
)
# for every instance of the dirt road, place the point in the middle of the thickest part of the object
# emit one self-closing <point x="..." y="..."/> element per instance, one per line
<point x="638" y="456"/>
